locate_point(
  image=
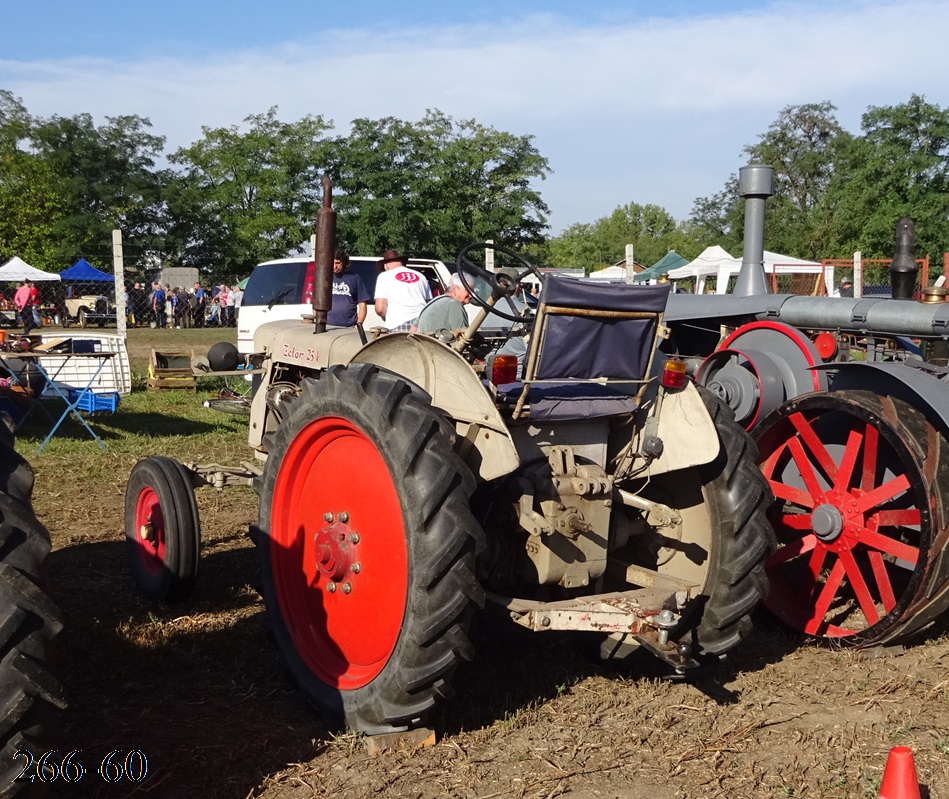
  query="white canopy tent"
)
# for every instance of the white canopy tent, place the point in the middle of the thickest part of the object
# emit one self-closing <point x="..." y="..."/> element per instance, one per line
<point x="17" y="269"/>
<point x="609" y="273"/>
<point x="715" y="262"/>
<point x="718" y="263"/>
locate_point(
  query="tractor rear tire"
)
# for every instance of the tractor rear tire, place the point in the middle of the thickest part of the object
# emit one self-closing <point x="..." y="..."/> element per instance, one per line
<point x="367" y="547"/>
<point x="726" y="537"/>
<point x="30" y="696"/>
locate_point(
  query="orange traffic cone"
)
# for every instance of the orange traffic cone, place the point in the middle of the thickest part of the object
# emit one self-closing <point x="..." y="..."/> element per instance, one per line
<point x="899" y="776"/>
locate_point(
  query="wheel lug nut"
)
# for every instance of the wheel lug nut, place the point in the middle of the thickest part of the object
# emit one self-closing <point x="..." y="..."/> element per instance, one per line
<point x="327" y="517"/>
<point x="354" y="538"/>
<point x="331" y="587"/>
<point x="343" y="517"/>
<point x="356" y="568"/>
<point x="347" y="588"/>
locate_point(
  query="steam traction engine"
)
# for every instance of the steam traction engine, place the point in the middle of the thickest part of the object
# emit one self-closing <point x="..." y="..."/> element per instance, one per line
<point x="847" y="401"/>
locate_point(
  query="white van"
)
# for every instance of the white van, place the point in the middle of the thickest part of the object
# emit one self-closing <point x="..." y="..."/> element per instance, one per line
<point x="283" y="289"/>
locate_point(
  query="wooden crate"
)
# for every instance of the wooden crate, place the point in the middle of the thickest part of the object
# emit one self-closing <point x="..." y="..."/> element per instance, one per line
<point x="171" y="370"/>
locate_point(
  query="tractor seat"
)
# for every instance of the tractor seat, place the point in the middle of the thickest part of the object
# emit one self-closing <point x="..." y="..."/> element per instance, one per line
<point x="591" y="350"/>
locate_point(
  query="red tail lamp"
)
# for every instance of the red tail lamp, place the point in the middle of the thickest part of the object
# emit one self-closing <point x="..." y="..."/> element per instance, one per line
<point x="504" y="369"/>
<point x="673" y="374"/>
<point x="826" y="345"/>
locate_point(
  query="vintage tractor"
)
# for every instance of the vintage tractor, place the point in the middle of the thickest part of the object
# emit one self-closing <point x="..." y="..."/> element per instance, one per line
<point x="848" y="403"/>
<point x="402" y="484"/>
<point x="30" y="696"/>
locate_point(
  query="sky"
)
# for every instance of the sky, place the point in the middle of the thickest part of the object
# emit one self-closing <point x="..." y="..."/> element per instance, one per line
<point x="646" y="102"/>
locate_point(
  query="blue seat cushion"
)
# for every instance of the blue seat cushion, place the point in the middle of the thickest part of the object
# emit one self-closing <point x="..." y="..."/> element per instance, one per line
<point x="571" y="400"/>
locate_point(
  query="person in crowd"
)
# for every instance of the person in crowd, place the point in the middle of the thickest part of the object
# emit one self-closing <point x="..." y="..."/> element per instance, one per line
<point x="35" y="304"/>
<point x="401" y="293"/>
<point x="175" y="315"/>
<point x="158" y="305"/>
<point x="350" y="296"/>
<point x="138" y="305"/>
<point x="214" y="312"/>
<point x="23" y="300"/>
<point x="237" y="297"/>
<point x="846" y="287"/>
<point x="225" y="320"/>
<point x="200" y="305"/>
<point x="229" y="302"/>
<point x="446" y="312"/>
<point x="169" y="311"/>
<point x="184" y="308"/>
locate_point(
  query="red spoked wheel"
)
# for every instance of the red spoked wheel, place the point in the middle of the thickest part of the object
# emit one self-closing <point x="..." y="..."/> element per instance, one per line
<point x="367" y="548"/>
<point x="857" y="511"/>
<point x="162" y="529"/>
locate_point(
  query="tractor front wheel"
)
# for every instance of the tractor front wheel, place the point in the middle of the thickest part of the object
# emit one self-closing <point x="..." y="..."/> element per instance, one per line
<point x="367" y="547"/>
<point x="162" y="529"/>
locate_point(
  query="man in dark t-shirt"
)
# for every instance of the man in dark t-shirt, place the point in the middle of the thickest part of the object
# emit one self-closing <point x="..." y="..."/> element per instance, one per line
<point x="349" y="295"/>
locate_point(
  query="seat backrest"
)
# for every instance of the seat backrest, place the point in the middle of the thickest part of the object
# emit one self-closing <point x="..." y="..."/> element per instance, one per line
<point x="589" y="331"/>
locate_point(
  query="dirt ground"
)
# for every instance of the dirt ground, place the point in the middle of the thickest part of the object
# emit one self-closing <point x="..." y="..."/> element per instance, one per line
<point x="199" y="690"/>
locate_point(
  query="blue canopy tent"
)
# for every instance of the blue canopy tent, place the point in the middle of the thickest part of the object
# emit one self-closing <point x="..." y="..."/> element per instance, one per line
<point x="83" y="272"/>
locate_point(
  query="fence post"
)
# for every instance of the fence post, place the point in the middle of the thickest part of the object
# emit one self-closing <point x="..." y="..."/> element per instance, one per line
<point x="118" y="269"/>
<point x="858" y="274"/>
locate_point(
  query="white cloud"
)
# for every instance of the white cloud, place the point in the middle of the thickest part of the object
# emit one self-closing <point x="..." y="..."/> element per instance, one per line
<point x="654" y="111"/>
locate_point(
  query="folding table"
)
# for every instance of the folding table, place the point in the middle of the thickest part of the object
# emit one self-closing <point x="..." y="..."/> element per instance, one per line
<point x="55" y="363"/>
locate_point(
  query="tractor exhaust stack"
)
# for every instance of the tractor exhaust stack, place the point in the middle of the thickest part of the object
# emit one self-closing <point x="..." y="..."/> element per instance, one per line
<point x="756" y="184"/>
<point x="325" y="250"/>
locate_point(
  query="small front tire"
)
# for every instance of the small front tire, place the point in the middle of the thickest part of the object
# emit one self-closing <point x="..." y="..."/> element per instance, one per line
<point x="162" y="529"/>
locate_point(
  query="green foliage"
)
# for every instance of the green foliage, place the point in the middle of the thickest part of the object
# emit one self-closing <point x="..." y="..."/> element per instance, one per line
<point x="900" y="167"/>
<point x="432" y="186"/>
<point x="649" y="228"/>
<point x="106" y="179"/>
<point x="802" y="145"/>
<point x="836" y="193"/>
<point x="247" y="197"/>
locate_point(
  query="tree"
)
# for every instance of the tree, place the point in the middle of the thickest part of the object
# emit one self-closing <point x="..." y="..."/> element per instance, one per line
<point x="106" y="180"/>
<point x="435" y="185"/>
<point x="719" y="219"/>
<point x="246" y="197"/>
<point x="899" y="167"/>
<point x="801" y="145"/>
<point x="649" y="228"/>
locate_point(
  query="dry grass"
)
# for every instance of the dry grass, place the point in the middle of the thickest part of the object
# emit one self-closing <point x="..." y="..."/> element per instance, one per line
<point x="200" y="690"/>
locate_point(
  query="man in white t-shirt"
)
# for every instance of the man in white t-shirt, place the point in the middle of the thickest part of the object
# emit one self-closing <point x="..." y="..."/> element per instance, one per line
<point x="401" y="293"/>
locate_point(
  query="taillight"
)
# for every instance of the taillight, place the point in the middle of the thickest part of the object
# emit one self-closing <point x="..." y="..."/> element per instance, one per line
<point x="673" y="374"/>
<point x="309" y="282"/>
<point x="504" y="369"/>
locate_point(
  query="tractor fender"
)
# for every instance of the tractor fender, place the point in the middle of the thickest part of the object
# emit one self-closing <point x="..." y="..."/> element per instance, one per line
<point x="915" y="386"/>
<point x="455" y="389"/>
<point x="688" y="433"/>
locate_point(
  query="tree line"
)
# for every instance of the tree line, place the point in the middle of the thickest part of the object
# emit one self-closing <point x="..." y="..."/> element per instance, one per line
<point x="836" y="192"/>
<point x="239" y="196"/>
<point x="243" y="194"/>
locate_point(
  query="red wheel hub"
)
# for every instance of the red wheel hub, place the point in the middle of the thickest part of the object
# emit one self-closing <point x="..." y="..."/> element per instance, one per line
<point x="150" y="531"/>
<point x="338" y="552"/>
<point x="335" y="551"/>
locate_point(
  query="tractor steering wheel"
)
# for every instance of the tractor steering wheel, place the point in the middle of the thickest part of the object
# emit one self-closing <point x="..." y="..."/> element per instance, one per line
<point x="501" y="285"/>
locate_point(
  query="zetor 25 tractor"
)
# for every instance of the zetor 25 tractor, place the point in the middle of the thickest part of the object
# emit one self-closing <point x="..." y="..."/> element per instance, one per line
<point x="401" y="486"/>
